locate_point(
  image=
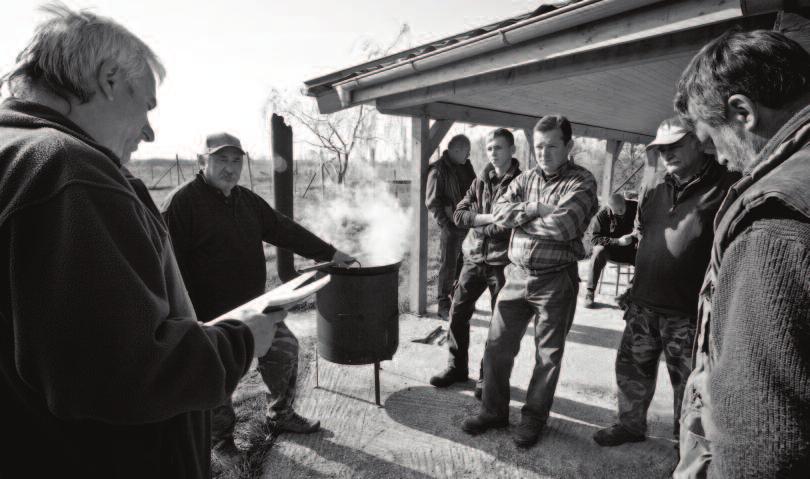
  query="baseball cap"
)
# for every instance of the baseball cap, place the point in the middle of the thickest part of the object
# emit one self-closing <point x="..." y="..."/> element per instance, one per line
<point x="671" y="131"/>
<point x="219" y="141"/>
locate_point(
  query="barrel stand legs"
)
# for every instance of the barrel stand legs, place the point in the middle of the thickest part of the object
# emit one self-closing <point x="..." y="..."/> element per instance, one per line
<point x="377" y="383"/>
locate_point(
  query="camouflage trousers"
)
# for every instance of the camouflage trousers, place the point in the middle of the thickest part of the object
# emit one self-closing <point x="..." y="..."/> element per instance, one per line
<point x="646" y="334"/>
<point x="279" y="371"/>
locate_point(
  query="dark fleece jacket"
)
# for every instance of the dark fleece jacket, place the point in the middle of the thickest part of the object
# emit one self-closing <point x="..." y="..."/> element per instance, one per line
<point x="104" y="370"/>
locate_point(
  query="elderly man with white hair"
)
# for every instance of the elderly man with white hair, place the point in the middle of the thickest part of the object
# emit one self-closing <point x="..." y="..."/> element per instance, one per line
<point x="104" y="369"/>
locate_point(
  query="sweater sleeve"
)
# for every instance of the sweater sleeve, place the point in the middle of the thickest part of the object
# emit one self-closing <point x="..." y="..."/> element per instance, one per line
<point x="760" y="385"/>
<point x="600" y="234"/>
<point x="97" y="333"/>
<point x="281" y="231"/>
<point x="436" y="202"/>
<point x="467" y="208"/>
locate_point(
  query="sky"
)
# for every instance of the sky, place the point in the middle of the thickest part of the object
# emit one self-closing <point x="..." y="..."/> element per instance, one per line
<point x="223" y="57"/>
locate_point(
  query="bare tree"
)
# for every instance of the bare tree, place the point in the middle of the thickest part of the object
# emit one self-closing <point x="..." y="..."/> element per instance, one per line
<point x="337" y="133"/>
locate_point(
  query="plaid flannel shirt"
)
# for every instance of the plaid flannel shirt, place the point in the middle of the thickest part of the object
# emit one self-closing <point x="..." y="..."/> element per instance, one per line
<point x="553" y="240"/>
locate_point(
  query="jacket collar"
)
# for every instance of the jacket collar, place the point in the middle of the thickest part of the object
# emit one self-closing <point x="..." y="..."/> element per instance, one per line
<point x="489" y="173"/>
<point x="16" y="112"/>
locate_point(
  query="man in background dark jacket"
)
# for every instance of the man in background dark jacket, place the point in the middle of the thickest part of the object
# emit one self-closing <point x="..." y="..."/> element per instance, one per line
<point x="674" y="234"/>
<point x="609" y="225"/>
<point x="485" y="252"/>
<point x="746" y="409"/>
<point x="447" y="181"/>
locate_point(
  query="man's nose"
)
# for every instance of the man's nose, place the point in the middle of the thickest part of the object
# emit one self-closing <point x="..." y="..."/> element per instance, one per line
<point x="148" y="133"/>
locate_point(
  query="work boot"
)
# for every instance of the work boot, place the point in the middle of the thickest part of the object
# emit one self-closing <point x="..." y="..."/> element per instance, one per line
<point x="528" y="432"/>
<point x="589" y="299"/>
<point x="483" y="422"/>
<point x="294" y="422"/>
<point x="449" y="376"/>
<point x="479" y="389"/>
<point x="616" y="435"/>
<point x="226" y="453"/>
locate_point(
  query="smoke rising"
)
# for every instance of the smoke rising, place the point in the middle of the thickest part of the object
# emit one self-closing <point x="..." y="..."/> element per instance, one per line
<point x="365" y="221"/>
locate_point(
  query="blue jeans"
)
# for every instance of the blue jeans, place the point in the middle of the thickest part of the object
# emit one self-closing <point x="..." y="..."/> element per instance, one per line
<point x="551" y="299"/>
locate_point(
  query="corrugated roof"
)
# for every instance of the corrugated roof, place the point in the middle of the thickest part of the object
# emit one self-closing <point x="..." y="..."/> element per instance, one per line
<point x="317" y="85"/>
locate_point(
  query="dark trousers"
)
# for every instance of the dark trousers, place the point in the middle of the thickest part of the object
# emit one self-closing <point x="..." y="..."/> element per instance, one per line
<point x="601" y="254"/>
<point x="646" y="334"/>
<point x="472" y="281"/>
<point x="449" y="266"/>
<point x="279" y="371"/>
<point x="551" y="299"/>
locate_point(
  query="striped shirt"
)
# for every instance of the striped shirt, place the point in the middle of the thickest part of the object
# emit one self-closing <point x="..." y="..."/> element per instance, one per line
<point x="554" y="239"/>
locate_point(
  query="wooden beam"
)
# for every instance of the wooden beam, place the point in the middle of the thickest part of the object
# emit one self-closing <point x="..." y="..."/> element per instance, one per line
<point x="650" y="169"/>
<point x="528" y="133"/>
<point x="438" y="130"/>
<point x="643" y="23"/>
<point x="669" y="47"/>
<point x="482" y="116"/>
<point x="613" y="149"/>
<point x="420" y="141"/>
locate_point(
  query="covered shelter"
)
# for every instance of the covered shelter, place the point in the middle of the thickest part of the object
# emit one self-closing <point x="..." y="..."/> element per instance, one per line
<point x="610" y="66"/>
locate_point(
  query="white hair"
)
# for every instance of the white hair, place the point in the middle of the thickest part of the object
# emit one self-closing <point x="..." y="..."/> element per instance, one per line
<point x="67" y="50"/>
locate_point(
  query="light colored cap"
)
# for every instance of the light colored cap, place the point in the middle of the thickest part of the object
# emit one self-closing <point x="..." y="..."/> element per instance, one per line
<point x="216" y="142"/>
<point x="671" y="131"/>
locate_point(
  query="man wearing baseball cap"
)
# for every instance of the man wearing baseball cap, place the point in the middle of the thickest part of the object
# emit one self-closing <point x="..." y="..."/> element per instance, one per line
<point x="673" y="236"/>
<point x="218" y="229"/>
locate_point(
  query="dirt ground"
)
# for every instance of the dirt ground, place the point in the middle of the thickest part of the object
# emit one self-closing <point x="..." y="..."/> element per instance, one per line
<point x="416" y="433"/>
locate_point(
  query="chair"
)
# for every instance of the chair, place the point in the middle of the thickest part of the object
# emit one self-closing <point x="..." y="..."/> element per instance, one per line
<point x="621" y="269"/>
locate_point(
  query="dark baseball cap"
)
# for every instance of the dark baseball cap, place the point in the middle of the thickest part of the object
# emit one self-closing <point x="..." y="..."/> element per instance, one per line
<point x="217" y="142"/>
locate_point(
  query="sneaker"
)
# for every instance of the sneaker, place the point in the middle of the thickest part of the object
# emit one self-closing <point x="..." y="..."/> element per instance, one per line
<point x="528" y="432"/>
<point x="226" y="453"/>
<point x="447" y="377"/>
<point x="483" y="422"/>
<point x="616" y="435"/>
<point x="589" y="300"/>
<point x="294" y="423"/>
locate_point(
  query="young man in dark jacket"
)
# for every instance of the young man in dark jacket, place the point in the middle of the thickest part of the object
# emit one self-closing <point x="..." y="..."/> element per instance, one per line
<point x="609" y="225"/>
<point x="746" y="410"/>
<point x="674" y="234"/>
<point x="218" y="231"/>
<point x="484" y="252"/>
<point x="448" y="179"/>
<point x="104" y="370"/>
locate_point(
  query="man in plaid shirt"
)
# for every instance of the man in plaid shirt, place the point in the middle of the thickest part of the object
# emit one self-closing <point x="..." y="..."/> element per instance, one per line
<point x="549" y="207"/>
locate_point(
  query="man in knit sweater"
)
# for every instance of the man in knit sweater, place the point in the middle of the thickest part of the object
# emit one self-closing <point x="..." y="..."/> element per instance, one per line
<point x="746" y="411"/>
<point x="674" y="236"/>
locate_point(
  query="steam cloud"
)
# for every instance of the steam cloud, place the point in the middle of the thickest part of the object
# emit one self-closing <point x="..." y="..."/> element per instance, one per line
<point x="366" y="222"/>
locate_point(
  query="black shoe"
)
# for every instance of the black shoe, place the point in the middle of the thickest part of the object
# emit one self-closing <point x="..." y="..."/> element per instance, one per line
<point x="483" y="422"/>
<point x="226" y="453"/>
<point x="479" y="390"/>
<point x="589" y="300"/>
<point x="616" y="435"/>
<point x="528" y="432"/>
<point x="447" y="377"/>
<point x="294" y="423"/>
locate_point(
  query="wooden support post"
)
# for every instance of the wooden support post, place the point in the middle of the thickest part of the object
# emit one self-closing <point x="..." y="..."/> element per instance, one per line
<point x="528" y="133"/>
<point x="650" y="167"/>
<point x="281" y="147"/>
<point x="613" y="147"/>
<point x="420" y="142"/>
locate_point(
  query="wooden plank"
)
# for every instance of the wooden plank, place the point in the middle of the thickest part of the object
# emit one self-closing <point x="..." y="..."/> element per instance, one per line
<point x="528" y="133"/>
<point x="678" y="46"/>
<point x="613" y="148"/>
<point x="420" y="141"/>
<point x="480" y="116"/>
<point x="438" y="130"/>
<point x="644" y="23"/>
<point x="650" y="168"/>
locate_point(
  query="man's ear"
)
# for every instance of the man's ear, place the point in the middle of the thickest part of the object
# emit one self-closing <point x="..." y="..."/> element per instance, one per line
<point x="742" y="111"/>
<point x="512" y="150"/>
<point x="109" y="79"/>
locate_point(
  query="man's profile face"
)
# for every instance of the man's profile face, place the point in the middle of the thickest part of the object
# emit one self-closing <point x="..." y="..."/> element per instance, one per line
<point x="223" y="169"/>
<point x="736" y="147"/>
<point x="550" y="150"/>
<point x="459" y="153"/>
<point x="132" y="125"/>
<point x="499" y="152"/>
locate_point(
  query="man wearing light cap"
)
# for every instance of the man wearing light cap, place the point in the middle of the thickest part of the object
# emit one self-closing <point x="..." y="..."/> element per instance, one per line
<point x="673" y="235"/>
<point x="218" y="229"/>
